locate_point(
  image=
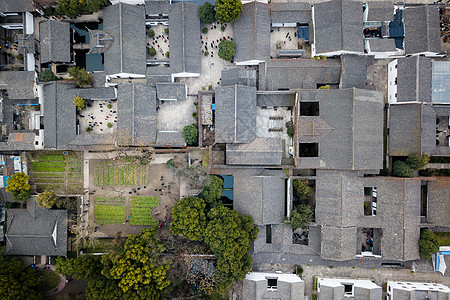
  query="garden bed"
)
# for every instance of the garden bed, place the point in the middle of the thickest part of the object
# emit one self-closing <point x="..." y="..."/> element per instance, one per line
<point x="141" y="210"/>
<point x="121" y="173"/>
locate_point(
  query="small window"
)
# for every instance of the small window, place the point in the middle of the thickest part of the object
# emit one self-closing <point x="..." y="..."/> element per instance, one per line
<point x="348" y="289"/>
<point x="395" y="80"/>
<point x="269" y="234"/>
<point x="309" y="150"/>
<point x="309" y="108"/>
<point x="272" y="284"/>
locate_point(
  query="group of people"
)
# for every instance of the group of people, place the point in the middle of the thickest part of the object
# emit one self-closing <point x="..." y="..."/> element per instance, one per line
<point x="159" y="39"/>
<point x="106" y="108"/>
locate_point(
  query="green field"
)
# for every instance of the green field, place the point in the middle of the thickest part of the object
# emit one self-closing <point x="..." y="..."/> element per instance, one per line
<point x="141" y="210"/>
<point x="119" y="201"/>
<point x="123" y="172"/>
<point x="109" y="214"/>
<point x="61" y="173"/>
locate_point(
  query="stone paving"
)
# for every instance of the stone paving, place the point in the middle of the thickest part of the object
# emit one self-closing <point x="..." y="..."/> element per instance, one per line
<point x="283" y="38"/>
<point x="98" y="116"/>
<point x="160" y="42"/>
<point x="174" y="115"/>
<point x="212" y="64"/>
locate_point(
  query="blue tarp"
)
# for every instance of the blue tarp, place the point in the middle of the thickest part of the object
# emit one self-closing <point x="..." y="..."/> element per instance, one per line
<point x="303" y="32"/>
<point x="227" y="181"/>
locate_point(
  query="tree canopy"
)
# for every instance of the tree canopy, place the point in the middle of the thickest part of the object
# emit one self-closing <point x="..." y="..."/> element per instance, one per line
<point x="86" y="267"/>
<point x="47" y="199"/>
<point x="70" y="8"/>
<point x="139" y="266"/>
<point x="207" y="13"/>
<point x="188" y="218"/>
<point x="228" y="235"/>
<point x="301" y="189"/>
<point x="402" y="169"/>
<point x="428" y="244"/>
<point x="80" y="75"/>
<point x="228" y="10"/>
<point x="18" y="282"/>
<point x="300" y="216"/>
<point x="19" y="187"/>
<point x="417" y="161"/>
<point x="226" y="50"/>
<point x="95" y="5"/>
<point x="79" y="102"/>
<point x="190" y="133"/>
<point x="47" y="75"/>
<point x="212" y="190"/>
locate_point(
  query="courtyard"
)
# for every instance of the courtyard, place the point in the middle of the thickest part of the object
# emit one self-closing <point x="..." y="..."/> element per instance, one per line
<point x="99" y="118"/>
<point x="160" y="41"/>
<point x="126" y="196"/>
<point x="212" y="64"/>
<point x="286" y="38"/>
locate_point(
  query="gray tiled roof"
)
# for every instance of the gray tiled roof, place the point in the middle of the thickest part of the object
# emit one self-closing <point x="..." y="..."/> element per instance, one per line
<point x="438" y="201"/>
<point x="54" y="41"/>
<point x="18" y="84"/>
<point x="98" y="93"/>
<point x="8" y="6"/>
<point x="354" y="71"/>
<point x="239" y="76"/>
<point x="262" y="196"/>
<point x="349" y="129"/>
<point x="252" y="33"/>
<point x="172" y="91"/>
<point x="340" y="210"/>
<point x="422" y="29"/>
<point x="300" y="73"/>
<point x="59" y="115"/>
<point x="411" y="129"/>
<point x="235" y="114"/>
<point x="170" y="139"/>
<point x="380" y="10"/>
<point x="157" y="7"/>
<point x="136" y="119"/>
<point x="36" y="231"/>
<point x="275" y="98"/>
<point x="126" y="25"/>
<point x="414" y="79"/>
<point x="261" y="151"/>
<point x="338" y="26"/>
<point x="290" y="12"/>
<point x="184" y="26"/>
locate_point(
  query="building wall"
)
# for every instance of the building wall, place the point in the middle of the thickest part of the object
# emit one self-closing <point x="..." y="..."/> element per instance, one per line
<point x="392" y="86"/>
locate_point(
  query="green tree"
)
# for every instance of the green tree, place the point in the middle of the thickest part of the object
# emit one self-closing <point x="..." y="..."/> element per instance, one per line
<point x="47" y="75"/>
<point x="190" y="133"/>
<point x="302" y="190"/>
<point x="228" y="10"/>
<point x="212" y="190"/>
<point x="428" y="244"/>
<point x="207" y="13"/>
<point x="139" y="266"/>
<point x="300" y="216"/>
<point x="151" y="51"/>
<point x="79" y="102"/>
<point x="417" y="161"/>
<point x="189" y="219"/>
<point x="18" y="186"/>
<point x="402" y="169"/>
<point x="226" y="50"/>
<point x="86" y="267"/>
<point x="229" y="237"/>
<point x="80" y="75"/>
<point x="47" y="199"/>
<point x="151" y="33"/>
<point x="95" y="5"/>
<point x="70" y="8"/>
<point x="18" y="282"/>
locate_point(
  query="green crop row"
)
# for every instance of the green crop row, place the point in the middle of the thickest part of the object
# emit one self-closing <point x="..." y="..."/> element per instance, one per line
<point x="49" y="180"/>
<point x="47" y="175"/>
<point x="48" y="169"/>
<point x="109" y="201"/>
<point x="48" y="164"/>
<point x="51" y="157"/>
<point x="107" y="214"/>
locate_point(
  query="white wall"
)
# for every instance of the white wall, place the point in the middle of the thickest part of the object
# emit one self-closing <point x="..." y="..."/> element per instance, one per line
<point x="392" y="86"/>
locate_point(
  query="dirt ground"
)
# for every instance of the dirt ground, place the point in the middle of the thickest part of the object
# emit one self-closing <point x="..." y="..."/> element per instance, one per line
<point x="157" y="185"/>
